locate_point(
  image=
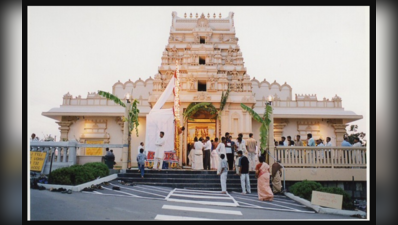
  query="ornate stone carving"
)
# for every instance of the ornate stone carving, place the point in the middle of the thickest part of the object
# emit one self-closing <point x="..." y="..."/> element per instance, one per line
<point x="201" y="97"/>
<point x="202" y="21"/>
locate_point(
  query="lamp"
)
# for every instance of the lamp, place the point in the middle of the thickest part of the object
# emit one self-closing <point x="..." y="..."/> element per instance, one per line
<point x="269" y="100"/>
<point x="128" y="97"/>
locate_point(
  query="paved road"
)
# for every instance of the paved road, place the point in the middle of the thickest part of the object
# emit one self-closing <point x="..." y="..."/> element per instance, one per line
<point x="142" y="202"/>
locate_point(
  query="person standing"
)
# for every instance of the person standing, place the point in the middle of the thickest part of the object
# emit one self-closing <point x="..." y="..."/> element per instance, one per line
<point x="223" y="174"/>
<point x="141" y="146"/>
<point x="328" y="142"/>
<point x="141" y="158"/>
<point x="221" y="146"/>
<point x="298" y="142"/>
<point x="198" y="157"/>
<point x="310" y="143"/>
<point x="229" y="151"/>
<point x="214" y="155"/>
<point x="240" y="146"/>
<point x="310" y="140"/>
<point x="284" y="142"/>
<point x="251" y="145"/>
<point x="289" y="140"/>
<point x="159" y="153"/>
<point x="112" y="157"/>
<point x="206" y="152"/>
<point x="244" y="173"/>
<point x="357" y="153"/>
<point x="243" y="142"/>
<point x="262" y="173"/>
<point x="320" y="153"/>
<point x="345" y="142"/>
<point x="276" y="177"/>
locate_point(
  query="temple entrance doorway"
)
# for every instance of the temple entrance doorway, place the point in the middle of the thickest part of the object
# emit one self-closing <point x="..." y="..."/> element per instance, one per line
<point x="202" y="125"/>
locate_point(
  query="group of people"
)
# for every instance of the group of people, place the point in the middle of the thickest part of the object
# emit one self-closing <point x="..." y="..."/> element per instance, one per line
<point x="205" y="153"/>
<point x="241" y="156"/>
<point x="298" y="142"/>
<point x="109" y="158"/>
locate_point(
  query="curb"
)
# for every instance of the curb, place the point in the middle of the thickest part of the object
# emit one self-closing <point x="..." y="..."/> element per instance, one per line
<point x="80" y="186"/>
<point x="320" y="209"/>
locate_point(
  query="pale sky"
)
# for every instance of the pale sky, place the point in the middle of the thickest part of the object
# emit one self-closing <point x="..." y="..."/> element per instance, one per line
<point x="322" y="50"/>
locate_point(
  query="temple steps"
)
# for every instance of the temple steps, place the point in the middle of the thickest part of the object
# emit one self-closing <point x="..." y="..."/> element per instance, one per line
<point x="185" y="178"/>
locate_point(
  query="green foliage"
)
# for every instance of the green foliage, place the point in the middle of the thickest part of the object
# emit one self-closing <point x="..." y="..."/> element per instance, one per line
<point x="224" y="98"/>
<point x="194" y="107"/>
<point x="98" y="169"/>
<point x="79" y="174"/>
<point x="265" y="121"/>
<point x="304" y="190"/>
<point x="111" y="97"/>
<point x="133" y="110"/>
<point x="133" y="116"/>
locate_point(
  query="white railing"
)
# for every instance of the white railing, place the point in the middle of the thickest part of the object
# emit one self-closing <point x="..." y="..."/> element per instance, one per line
<point x="327" y="157"/>
<point x="64" y="152"/>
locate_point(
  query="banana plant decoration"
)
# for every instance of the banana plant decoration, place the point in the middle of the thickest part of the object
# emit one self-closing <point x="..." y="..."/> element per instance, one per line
<point x="264" y="120"/>
<point x="133" y="111"/>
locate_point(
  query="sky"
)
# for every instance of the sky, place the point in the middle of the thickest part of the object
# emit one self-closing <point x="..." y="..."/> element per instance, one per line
<point x="322" y="50"/>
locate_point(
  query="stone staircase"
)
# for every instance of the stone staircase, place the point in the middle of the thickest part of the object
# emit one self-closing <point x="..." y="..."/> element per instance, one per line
<point x="186" y="178"/>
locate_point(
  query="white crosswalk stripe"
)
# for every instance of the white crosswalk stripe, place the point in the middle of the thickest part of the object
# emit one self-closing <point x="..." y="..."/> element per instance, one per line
<point x="201" y="197"/>
<point x="207" y="210"/>
<point x="166" y="217"/>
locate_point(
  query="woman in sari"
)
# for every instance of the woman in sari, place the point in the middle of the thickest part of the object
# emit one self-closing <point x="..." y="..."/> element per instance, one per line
<point x="276" y="178"/>
<point x="262" y="173"/>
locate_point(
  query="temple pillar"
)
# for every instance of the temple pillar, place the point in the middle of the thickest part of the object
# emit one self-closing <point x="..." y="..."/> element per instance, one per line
<point x="279" y="124"/>
<point x="340" y="131"/>
<point x="64" y="128"/>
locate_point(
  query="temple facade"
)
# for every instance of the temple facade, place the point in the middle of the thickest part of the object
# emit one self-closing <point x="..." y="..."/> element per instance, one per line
<point x="210" y="63"/>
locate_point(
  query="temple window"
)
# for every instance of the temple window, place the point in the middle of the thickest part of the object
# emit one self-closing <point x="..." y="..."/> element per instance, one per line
<point x="202" y="39"/>
<point x="202" y="60"/>
<point x="202" y="85"/>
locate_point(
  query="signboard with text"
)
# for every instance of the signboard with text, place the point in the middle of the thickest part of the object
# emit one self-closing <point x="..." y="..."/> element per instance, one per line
<point x="326" y="199"/>
<point x="37" y="160"/>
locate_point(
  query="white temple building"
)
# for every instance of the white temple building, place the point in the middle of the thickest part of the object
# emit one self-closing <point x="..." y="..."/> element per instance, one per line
<point x="210" y="61"/>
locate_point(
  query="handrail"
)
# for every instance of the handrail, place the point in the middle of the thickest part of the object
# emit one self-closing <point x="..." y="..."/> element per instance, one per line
<point x="284" y="187"/>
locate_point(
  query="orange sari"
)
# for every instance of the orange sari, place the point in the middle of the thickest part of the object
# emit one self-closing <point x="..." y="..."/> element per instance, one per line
<point x="263" y="189"/>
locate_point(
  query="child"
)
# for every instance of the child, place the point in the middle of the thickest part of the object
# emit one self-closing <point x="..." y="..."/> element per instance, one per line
<point x="223" y="174"/>
<point x="141" y="158"/>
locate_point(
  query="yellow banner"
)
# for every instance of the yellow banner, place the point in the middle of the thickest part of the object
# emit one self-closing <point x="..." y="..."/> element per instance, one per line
<point x="37" y="160"/>
<point x="94" y="151"/>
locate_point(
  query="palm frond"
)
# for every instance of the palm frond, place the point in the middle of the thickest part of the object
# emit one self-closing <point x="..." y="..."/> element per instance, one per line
<point x="263" y="137"/>
<point x="193" y="108"/>
<point x="224" y="99"/>
<point x="111" y="97"/>
<point x="266" y="116"/>
<point x="133" y="116"/>
<point x="252" y="113"/>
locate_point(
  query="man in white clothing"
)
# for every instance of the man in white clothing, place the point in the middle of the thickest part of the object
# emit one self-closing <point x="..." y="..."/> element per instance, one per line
<point x="206" y="152"/>
<point x="141" y="146"/>
<point x="328" y="142"/>
<point x="159" y="153"/>
<point x="198" y="157"/>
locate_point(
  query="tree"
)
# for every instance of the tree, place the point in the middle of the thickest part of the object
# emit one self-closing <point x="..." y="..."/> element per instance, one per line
<point x="354" y="134"/>
<point x="264" y="120"/>
<point x="133" y="111"/>
<point x="132" y="119"/>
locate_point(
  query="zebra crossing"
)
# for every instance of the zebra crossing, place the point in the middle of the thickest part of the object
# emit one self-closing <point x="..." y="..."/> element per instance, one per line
<point x="193" y="197"/>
